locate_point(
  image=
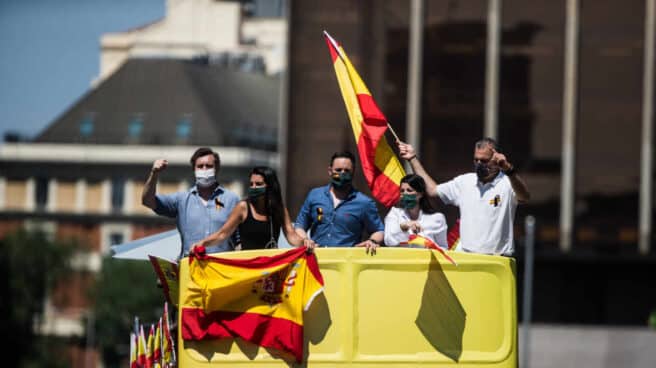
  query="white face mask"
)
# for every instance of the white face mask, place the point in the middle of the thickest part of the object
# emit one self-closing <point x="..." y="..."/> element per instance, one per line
<point x="205" y="178"/>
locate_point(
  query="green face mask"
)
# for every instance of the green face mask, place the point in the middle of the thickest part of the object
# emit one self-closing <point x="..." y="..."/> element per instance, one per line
<point x="254" y="193"/>
<point x="408" y="201"/>
<point x="342" y="179"/>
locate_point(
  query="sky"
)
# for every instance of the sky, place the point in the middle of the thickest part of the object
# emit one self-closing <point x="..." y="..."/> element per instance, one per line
<point x="50" y="53"/>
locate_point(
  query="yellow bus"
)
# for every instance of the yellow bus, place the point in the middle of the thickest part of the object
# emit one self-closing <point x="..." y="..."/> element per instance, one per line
<point x="402" y="307"/>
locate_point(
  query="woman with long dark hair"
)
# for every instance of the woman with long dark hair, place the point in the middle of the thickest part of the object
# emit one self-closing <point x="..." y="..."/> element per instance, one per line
<point x="260" y="216"/>
<point x="414" y="214"/>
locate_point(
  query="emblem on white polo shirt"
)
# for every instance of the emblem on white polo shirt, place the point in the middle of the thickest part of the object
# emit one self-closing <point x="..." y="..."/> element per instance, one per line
<point x="495" y="201"/>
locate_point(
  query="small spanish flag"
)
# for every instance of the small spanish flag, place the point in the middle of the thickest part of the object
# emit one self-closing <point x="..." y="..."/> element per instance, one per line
<point x="168" y="275"/>
<point x="141" y="348"/>
<point x="260" y="300"/>
<point x="415" y="239"/>
<point x="168" y="345"/>
<point x="150" y="347"/>
<point x="380" y="166"/>
<point x="133" y="350"/>
<point x="157" y="352"/>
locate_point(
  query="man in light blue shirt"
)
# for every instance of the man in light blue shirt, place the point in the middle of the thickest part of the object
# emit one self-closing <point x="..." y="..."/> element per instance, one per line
<point x="337" y="214"/>
<point x="200" y="211"/>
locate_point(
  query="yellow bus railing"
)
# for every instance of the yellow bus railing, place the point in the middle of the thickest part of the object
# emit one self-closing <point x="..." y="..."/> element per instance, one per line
<point x="400" y="308"/>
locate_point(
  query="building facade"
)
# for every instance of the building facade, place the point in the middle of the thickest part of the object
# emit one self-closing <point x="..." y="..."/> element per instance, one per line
<point x="205" y="75"/>
<point x="558" y="62"/>
<point x="248" y="34"/>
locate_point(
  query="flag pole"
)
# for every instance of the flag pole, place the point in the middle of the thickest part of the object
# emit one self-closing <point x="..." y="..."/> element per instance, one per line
<point x="393" y="132"/>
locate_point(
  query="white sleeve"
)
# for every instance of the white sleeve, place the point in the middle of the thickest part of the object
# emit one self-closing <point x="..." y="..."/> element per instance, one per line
<point x="393" y="233"/>
<point x="511" y="191"/>
<point x="449" y="192"/>
<point x="435" y="228"/>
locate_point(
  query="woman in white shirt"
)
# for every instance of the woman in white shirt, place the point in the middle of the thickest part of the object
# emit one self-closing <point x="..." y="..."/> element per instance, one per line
<point x="414" y="215"/>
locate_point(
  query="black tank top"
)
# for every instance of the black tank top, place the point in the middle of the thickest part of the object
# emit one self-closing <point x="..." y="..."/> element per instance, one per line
<point x="256" y="234"/>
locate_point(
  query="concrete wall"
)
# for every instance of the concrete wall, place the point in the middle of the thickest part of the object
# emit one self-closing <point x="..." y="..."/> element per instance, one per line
<point x="554" y="346"/>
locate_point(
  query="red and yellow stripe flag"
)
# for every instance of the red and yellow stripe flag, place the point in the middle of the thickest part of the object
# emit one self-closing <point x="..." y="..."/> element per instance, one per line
<point x="133" y="350"/>
<point x="260" y="300"/>
<point x="414" y="239"/>
<point x="141" y="348"/>
<point x="453" y="236"/>
<point x="380" y="165"/>
<point x="150" y="347"/>
<point x="157" y="353"/>
<point x="167" y="272"/>
<point x="168" y="346"/>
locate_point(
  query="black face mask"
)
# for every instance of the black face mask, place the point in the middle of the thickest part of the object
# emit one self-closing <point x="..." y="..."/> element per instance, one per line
<point x="482" y="171"/>
<point x="341" y="180"/>
<point x="255" y="193"/>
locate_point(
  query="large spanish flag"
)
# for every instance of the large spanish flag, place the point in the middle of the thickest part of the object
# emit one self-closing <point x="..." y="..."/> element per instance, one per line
<point x="260" y="300"/>
<point x="380" y="166"/>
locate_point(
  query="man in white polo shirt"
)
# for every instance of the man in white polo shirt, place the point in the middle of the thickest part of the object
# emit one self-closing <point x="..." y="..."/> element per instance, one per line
<point x="487" y="198"/>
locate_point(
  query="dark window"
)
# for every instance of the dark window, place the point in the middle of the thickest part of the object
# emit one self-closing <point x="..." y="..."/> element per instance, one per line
<point x="116" y="238"/>
<point x="41" y="193"/>
<point x="118" y="193"/>
<point x="265" y="8"/>
<point x="609" y="101"/>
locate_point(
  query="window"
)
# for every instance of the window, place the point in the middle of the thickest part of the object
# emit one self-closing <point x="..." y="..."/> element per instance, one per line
<point x="118" y="194"/>
<point x="116" y="238"/>
<point x="264" y="8"/>
<point x="113" y="234"/>
<point x="183" y="129"/>
<point x="612" y="41"/>
<point x="48" y="228"/>
<point x="86" y="125"/>
<point x="136" y="126"/>
<point x="41" y="193"/>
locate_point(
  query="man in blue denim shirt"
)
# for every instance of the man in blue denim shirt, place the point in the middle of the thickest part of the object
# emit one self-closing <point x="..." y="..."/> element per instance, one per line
<point x="337" y="213"/>
<point x="200" y="211"/>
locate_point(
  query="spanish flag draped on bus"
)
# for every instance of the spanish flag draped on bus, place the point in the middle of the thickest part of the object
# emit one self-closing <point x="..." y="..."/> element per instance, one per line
<point x="260" y="300"/>
<point x="380" y="165"/>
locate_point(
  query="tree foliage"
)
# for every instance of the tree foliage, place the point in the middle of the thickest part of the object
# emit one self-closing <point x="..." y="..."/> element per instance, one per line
<point x="30" y="265"/>
<point x="124" y="289"/>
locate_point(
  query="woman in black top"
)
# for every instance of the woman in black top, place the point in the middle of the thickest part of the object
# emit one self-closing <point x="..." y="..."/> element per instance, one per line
<point x="259" y="217"/>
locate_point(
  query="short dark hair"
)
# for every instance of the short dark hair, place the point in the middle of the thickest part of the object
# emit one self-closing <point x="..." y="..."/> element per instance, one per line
<point x="487" y="141"/>
<point x="204" y="151"/>
<point x="343" y="154"/>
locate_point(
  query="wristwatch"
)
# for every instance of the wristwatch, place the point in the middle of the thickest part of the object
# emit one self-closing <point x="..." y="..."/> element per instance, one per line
<point x="511" y="171"/>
